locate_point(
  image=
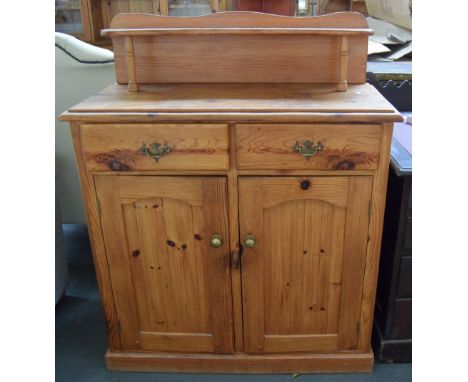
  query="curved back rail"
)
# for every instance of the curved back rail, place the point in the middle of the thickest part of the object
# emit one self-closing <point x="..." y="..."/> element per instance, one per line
<point x="240" y="47"/>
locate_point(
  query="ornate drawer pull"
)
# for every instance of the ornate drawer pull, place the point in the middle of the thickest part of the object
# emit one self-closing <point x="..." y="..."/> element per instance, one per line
<point x="155" y="150"/>
<point x="308" y="148"/>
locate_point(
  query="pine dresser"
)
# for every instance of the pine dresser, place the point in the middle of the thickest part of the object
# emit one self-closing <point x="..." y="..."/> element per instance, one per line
<point x="234" y="179"/>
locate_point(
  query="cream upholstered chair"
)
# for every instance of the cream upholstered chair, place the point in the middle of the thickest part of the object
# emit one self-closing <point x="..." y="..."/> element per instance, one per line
<point x="81" y="70"/>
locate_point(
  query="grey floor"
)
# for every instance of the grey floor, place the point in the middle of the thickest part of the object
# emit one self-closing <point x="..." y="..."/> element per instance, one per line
<point x="80" y="335"/>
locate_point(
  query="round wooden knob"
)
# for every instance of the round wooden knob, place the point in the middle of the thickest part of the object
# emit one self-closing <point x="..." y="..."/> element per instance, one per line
<point x="305" y="184"/>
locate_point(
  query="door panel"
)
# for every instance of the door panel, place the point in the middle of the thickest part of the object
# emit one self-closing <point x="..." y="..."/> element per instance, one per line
<point x="172" y="289"/>
<point x="311" y="236"/>
<point x="287" y="293"/>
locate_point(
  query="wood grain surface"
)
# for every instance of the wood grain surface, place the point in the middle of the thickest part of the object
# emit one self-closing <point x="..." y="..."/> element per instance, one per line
<point x="377" y="209"/>
<point x="172" y="289"/>
<point x="239" y="19"/>
<point x="246" y="58"/>
<point x="302" y="281"/>
<point x="238" y="98"/>
<point x="255" y="47"/>
<point x="241" y="363"/>
<point x="101" y="267"/>
<point x="231" y="94"/>
<point x="345" y="147"/>
<point x="196" y="147"/>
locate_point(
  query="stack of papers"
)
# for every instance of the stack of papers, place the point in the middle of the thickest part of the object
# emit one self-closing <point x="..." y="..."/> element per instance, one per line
<point x="391" y="22"/>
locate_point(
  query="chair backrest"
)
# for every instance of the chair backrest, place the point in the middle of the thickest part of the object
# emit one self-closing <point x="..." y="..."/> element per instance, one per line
<point x="81" y="70"/>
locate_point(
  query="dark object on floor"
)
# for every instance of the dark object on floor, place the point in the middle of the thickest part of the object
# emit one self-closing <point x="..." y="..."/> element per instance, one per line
<point x="391" y="337"/>
<point x="398" y="93"/>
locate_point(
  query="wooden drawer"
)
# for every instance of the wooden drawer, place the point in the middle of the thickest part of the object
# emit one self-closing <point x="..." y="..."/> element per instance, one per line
<point x="344" y="146"/>
<point x="118" y="147"/>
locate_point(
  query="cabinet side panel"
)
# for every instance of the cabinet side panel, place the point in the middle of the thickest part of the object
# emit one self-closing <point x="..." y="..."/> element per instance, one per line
<point x="355" y="243"/>
<point x="375" y="237"/>
<point x="97" y="244"/>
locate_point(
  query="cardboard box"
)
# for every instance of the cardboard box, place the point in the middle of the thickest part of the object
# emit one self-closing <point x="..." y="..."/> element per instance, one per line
<point x="397" y="12"/>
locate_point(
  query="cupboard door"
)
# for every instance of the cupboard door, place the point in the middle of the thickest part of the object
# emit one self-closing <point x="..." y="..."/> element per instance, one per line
<point x="302" y="280"/>
<point x="171" y="287"/>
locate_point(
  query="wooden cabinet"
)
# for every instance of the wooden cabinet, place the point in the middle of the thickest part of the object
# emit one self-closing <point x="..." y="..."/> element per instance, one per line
<point x="277" y="7"/>
<point x="85" y="18"/>
<point x="71" y="17"/>
<point x="235" y="227"/>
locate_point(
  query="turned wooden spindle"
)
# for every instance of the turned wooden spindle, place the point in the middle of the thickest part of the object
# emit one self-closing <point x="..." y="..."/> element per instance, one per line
<point x="344" y="52"/>
<point x="130" y="57"/>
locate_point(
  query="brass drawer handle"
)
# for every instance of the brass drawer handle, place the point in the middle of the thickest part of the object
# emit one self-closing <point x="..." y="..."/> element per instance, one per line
<point x="308" y="148"/>
<point x="216" y="241"/>
<point x="249" y="241"/>
<point x="155" y="150"/>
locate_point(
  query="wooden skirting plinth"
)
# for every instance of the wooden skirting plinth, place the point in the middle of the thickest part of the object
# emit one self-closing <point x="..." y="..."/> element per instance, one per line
<point x="240" y="363"/>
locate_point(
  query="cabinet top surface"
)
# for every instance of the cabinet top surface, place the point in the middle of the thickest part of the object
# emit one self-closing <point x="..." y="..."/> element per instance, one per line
<point x="237" y="99"/>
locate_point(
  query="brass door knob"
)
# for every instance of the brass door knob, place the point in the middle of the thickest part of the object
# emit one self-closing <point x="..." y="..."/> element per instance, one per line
<point x="216" y="241"/>
<point x="249" y="241"/>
